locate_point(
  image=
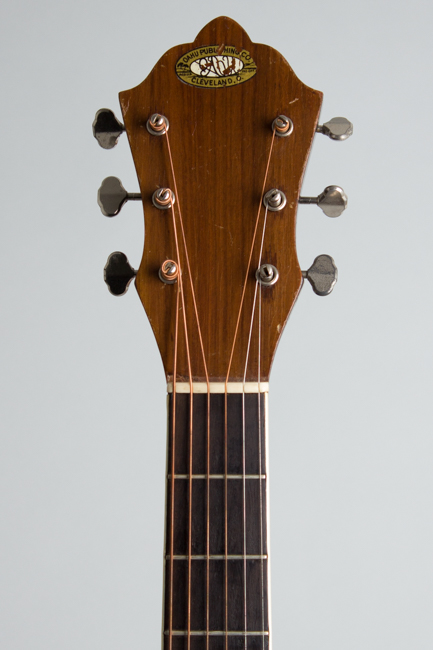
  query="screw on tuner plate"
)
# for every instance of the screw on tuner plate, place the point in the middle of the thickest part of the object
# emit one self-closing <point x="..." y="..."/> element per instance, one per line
<point x="106" y="128"/>
<point x="339" y="128"/>
<point x="322" y="275"/>
<point x="118" y="273"/>
<point x="333" y="200"/>
<point x="112" y="196"/>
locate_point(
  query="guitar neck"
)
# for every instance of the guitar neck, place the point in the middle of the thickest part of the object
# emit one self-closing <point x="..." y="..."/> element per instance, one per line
<point x="216" y="552"/>
<point x="220" y="132"/>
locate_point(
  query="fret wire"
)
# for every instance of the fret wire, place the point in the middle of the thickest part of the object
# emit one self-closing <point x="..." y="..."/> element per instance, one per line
<point x="218" y="557"/>
<point x="218" y="476"/>
<point x="219" y="633"/>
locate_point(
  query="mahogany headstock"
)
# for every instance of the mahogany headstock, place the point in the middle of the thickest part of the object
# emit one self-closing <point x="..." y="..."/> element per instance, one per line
<point x="220" y="97"/>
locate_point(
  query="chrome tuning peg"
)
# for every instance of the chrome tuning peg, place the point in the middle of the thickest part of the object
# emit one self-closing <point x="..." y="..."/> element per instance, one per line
<point x="333" y="200"/>
<point x="112" y="196"/>
<point x="322" y="275"/>
<point x="107" y="128"/>
<point x="118" y="273"/>
<point x="339" y="128"/>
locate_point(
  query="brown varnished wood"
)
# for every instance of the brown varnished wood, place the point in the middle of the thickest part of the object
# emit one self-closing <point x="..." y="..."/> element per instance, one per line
<point x="220" y="140"/>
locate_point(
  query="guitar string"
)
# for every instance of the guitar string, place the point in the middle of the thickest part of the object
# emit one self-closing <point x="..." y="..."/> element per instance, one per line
<point x="259" y="287"/>
<point x="191" y="423"/>
<point x="226" y="396"/>
<point x="251" y="254"/>
<point x="259" y="410"/>
<point x="244" y="435"/>
<point x="173" y="456"/>
<point x="208" y="414"/>
<point x="181" y="291"/>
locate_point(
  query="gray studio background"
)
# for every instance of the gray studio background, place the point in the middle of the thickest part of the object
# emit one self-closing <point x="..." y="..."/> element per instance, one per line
<point x="83" y="392"/>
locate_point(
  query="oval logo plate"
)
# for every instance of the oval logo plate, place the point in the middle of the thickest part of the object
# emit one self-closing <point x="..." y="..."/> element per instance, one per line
<point x="209" y="67"/>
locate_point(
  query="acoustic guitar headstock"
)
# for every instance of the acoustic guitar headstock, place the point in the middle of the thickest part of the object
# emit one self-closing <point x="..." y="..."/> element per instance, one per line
<point x="220" y="132"/>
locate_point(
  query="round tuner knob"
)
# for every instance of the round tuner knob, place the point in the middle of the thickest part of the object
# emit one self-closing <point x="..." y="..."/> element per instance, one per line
<point x="107" y="128"/>
<point x="118" y="273"/>
<point x="112" y="196"/>
<point x="339" y="128"/>
<point x="322" y="275"/>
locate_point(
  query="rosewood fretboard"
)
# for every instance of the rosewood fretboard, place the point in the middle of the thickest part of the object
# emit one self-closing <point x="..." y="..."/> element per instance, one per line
<point x="216" y="583"/>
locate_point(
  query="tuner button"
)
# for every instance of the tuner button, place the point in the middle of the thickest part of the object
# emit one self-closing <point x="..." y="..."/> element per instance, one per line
<point x="112" y="195"/>
<point x="339" y="128"/>
<point x="107" y="128"/>
<point x="322" y="275"/>
<point x="118" y="273"/>
<point x="333" y="200"/>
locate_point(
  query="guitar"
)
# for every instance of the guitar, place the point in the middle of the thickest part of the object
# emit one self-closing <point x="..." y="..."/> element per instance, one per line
<point x="220" y="132"/>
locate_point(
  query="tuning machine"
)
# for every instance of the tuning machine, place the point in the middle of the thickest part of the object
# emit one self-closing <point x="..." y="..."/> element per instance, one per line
<point x="322" y="275"/>
<point x="112" y="196"/>
<point x="106" y="128"/>
<point x="118" y="273"/>
<point x="333" y="200"/>
<point x="339" y="128"/>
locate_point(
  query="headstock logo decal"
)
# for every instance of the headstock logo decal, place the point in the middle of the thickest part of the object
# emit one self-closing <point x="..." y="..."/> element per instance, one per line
<point x="209" y="67"/>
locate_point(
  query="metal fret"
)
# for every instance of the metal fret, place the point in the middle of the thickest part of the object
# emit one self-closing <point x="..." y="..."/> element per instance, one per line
<point x="218" y="557"/>
<point x="216" y="633"/>
<point x="219" y="476"/>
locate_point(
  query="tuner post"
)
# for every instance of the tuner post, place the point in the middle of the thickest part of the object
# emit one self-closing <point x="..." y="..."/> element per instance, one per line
<point x="274" y="200"/>
<point x="157" y="124"/>
<point x="282" y="126"/>
<point x="168" y="272"/>
<point x="163" y="198"/>
<point x="267" y="275"/>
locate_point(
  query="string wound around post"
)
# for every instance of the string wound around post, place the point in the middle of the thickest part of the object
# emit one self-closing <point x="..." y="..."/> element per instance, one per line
<point x="283" y="126"/>
<point x="157" y="124"/>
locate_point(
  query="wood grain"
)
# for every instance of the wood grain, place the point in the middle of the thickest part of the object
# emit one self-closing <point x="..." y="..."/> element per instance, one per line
<point x="220" y="140"/>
